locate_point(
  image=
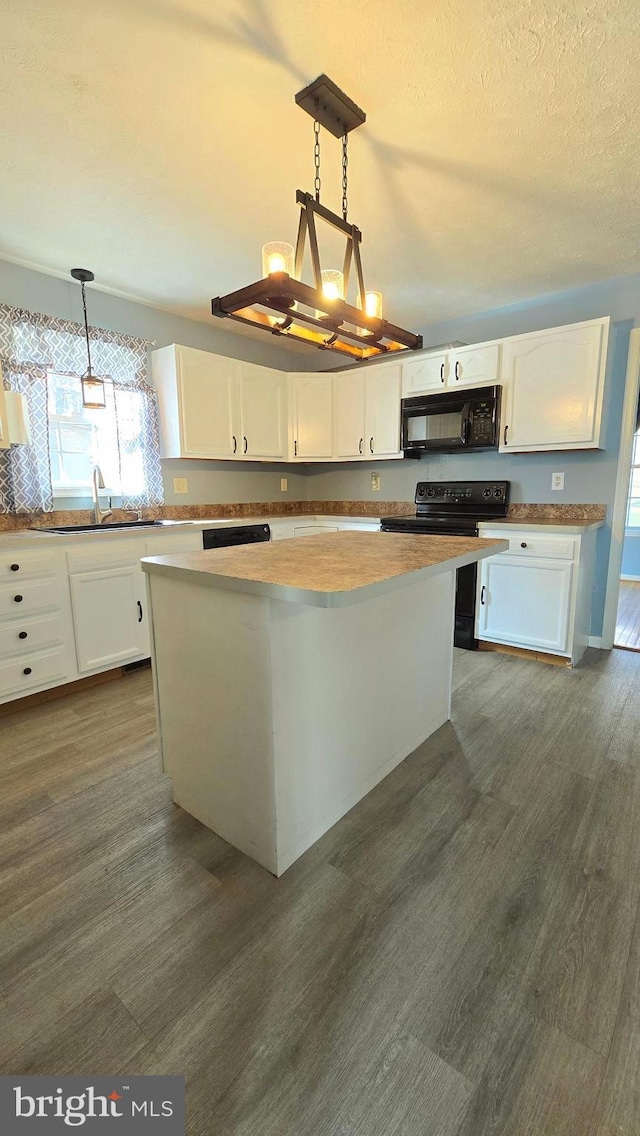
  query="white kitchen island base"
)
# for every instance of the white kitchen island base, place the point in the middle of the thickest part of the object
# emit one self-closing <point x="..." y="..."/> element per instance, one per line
<point x="276" y="717"/>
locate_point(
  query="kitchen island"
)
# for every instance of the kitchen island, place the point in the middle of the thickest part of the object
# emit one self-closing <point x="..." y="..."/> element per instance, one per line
<point x="292" y="676"/>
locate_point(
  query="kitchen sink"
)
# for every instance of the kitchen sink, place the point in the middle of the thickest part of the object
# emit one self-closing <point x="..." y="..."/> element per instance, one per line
<point x="95" y="528"/>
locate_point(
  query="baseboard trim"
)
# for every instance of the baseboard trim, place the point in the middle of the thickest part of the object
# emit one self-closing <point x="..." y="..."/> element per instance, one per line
<point x="60" y="691"/>
<point x="595" y="641"/>
<point x="525" y="653"/>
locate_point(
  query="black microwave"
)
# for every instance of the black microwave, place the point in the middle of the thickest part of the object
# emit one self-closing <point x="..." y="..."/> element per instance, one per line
<point x="451" y="421"/>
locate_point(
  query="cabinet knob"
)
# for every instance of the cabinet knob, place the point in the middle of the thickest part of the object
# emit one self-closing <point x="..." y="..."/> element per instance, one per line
<point x="22" y="635"/>
<point x="523" y="544"/>
<point x="15" y="567"/>
<point x="17" y="599"/>
<point x="27" y="671"/>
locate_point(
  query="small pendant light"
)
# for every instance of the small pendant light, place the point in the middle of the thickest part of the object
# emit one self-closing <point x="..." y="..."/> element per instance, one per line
<point x="93" y="392"/>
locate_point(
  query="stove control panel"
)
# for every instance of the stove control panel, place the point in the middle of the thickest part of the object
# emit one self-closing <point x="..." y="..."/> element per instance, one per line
<point x="462" y="496"/>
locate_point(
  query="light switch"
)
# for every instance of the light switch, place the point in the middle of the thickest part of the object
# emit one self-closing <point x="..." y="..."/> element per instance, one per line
<point x="557" y="480"/>
<point x="283" y="484"/>
<point x="375" y="482"/>
<point x="180" y="485"/>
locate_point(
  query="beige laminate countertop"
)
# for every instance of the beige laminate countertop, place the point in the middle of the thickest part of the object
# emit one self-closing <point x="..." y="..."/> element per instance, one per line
<point x="326" y="570"/>
<point x="549" y="524"/>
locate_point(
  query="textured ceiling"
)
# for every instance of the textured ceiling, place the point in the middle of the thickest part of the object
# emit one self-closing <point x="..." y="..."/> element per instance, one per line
<point x="158" y="142"/>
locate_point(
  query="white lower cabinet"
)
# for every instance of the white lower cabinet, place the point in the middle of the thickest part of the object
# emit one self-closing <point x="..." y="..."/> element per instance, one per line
<point x="109" y="617"/>
<point x="525" y="602"/>
<point x="538" y="595"/>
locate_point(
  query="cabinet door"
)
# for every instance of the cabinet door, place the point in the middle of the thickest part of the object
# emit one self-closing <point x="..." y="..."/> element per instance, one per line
<point x="207" y="393"/>
<point x="349" y="403"/>
<point x="424" y="373"/>
<point x="554" y="386"/>
<point x="474" y="366"/>
<point x="109" y="616"/>
<point x="262" y="412"/>
<point x="382" y="417"/>
<point x="311" y="416"/>
<point x="525" y="602"/>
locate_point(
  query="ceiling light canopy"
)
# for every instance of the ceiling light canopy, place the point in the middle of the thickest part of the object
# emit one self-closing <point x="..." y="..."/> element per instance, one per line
<point x="319" y="314"/>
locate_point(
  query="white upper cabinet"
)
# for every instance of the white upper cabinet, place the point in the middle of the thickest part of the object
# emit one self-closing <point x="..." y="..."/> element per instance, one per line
<point x="311" y="416"/>
<point x="262" y="412"/>
<point x="424" y="373"/>
<point x="476" y="366"/>
<point x="349" y="408"/>
<point x="197" y="400"/>
<point x="367" y="412"/>
<point x="554" y="387"/>
<point x="382" y="411"/>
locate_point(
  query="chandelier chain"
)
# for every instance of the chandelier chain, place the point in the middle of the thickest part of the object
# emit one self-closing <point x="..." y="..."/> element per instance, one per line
<point x="86" y="329"/>
<point x="316" y="158"/>
<point x="345" y="183"/>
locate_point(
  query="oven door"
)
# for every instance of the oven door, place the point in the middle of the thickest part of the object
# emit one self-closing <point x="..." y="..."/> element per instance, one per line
<point x="435" y="426"/>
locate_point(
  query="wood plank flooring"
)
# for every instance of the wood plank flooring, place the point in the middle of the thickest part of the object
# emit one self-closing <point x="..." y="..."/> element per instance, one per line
<point x="628" y="617"/>
<point x="459" y="956"/>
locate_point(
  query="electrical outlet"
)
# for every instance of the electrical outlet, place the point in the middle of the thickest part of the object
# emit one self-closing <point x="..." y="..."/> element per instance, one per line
<point x="557" y="480"/>
<point x="283" y="484"/>
<point x="180" y="485"/>
<point x="375" y="482"/>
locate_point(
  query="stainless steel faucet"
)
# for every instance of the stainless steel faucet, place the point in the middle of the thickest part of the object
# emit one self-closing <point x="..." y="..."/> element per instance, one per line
<point x="97" y="482"/>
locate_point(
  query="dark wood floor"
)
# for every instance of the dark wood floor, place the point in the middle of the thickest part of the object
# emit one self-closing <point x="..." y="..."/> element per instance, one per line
<point x="628" y="616"/>
<point x="459" y="955"/>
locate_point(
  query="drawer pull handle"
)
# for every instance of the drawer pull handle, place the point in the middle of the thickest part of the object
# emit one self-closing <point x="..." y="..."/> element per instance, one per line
<point x="442" y="372"/>
<point x="246" y="444"/>
<point x="235" y="443"/>
<point x="17" y="599"/>
<point x="15" y="567"/>
<point x="482" y="591"/>
<point x="139" y="612"/>
<point x="457" y="370"/>
<point x="27" y="671"/>
<point x="371" y="444"/>
<point x="22" y="635"/>
<point x="523" y="544"/>
<point x="506" y="430"/>
<point x="360" y="445"/>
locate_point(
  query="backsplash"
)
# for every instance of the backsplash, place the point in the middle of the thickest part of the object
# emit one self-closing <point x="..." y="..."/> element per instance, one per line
<point x="10" y="522"/>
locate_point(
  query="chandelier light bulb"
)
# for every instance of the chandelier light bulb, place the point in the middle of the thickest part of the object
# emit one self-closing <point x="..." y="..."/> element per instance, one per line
<point x="332" y="284"/>
<point x="373" y="304"/>
<point x="277" y="256"/>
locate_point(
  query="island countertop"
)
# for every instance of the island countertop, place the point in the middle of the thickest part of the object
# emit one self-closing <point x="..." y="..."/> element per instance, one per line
<point x="328" y="570"/>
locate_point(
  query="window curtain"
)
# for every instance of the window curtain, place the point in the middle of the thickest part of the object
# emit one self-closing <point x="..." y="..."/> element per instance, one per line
<point x="32" y="344"/>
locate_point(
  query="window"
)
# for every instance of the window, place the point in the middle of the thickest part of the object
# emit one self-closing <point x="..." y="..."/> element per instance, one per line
<point x="633" y="505"/>
<point x="80" y="439"/>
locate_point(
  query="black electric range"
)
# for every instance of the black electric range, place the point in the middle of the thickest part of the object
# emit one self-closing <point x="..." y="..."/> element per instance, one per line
<point x="455" y="508"/>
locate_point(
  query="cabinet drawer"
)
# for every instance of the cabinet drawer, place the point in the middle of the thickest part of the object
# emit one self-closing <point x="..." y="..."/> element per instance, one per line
<point x="110" y="555"/>
<point x="16" y="566"/>
<point x="21" y="635"/>
<point x="534" y="544"/>
<point x="29" y="597"/>
<point x="33" y="670"/>
<point x="178" y="542"/>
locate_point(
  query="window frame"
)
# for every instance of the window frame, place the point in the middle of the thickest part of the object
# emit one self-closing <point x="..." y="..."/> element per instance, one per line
<point x="635" y="465"/>
<point x="62" y="489"/>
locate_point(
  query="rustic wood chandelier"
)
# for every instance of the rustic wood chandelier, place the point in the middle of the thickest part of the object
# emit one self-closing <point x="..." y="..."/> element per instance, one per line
<point x="321" y="315"/>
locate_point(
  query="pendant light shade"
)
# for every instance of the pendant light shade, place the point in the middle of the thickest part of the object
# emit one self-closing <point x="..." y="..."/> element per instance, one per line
<point x="277" y="256"/>
<point x="93" y="392"/>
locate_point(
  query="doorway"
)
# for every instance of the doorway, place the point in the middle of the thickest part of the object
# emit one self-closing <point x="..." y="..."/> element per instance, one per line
<point x="627" y="634"/>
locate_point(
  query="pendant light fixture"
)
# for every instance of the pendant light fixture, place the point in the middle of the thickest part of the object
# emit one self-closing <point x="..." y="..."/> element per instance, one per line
<point x="93" y="392"/>
<point x="320" y="314"/>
